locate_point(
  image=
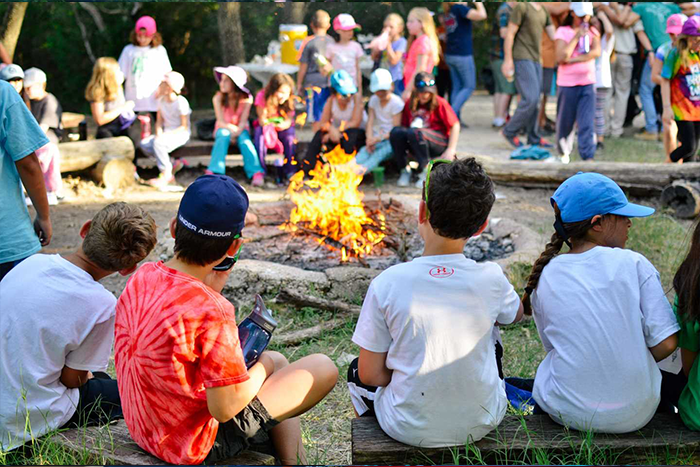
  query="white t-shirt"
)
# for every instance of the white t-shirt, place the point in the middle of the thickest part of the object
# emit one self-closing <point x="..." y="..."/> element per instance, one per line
<point x="344" y="57"/>
<point x="143" y="68"/>
<point x="603" y="72"/>
<point x="338" y="115"/>
<point x="173" y="111"/>
<point x="384" y="116"/>
<point x="53" y="314"/>
<point x="598" y="313"/>
<point x="435" y="317"/>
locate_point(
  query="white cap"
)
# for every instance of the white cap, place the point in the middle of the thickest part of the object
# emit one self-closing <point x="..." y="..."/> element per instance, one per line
<point x="175" y="80"/>
<point x="582" y="9"/>
<point x="33" y="76"/>
<point x="380" y="80"/>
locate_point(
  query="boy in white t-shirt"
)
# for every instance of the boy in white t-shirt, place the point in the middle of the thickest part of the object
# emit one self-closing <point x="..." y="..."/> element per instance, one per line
<point x="57" y="326"/>
<point x="601" y="313"/>
<point x="427" y="366"/>
<point x="385" y="109"/>
<point x="173" y="129"/>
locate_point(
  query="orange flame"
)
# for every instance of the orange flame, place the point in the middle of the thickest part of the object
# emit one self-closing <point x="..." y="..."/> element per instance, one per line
<point x="331" y="205"/>
<point x="301" y="119"/>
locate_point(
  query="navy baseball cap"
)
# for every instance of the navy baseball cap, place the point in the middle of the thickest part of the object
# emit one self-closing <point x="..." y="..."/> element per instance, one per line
<point x="586" y="195"/>
<point x="214" y="206"/>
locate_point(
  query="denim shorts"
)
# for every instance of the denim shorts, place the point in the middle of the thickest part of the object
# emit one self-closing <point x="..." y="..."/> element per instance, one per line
<point x="250" y="426"/>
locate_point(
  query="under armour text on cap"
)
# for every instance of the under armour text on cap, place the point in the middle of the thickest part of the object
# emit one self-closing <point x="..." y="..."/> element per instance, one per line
<point x="586" y="195"/>
<point x="214" y="206"/>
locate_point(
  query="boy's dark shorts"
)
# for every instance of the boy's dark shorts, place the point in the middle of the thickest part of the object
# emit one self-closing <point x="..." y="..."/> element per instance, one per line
<point x="250" y="426"/>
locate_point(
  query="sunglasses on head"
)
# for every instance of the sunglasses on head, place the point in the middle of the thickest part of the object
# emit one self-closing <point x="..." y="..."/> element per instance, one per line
<point x="429" y="169"/>
<point x="425" y="84"/>
<point x="229" y="261"/>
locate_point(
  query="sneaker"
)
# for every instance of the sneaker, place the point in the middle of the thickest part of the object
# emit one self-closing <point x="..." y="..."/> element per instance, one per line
<point x="421" y="179"/>
<point x="543" y="143"/>
<point x="644" y="135"/>
<point x="565" y="159"/>
<point x="404" y="178"/>
<point x="161" y="181"/>
<point x="53" y="199"/>
<point x="258" y="180"/>
<point x="600" y="146"/>
<point x="513" y="140"/>
<point x="498" y="122"/>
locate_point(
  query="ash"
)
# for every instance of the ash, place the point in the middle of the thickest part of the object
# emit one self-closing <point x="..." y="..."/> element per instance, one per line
<point x="487" y="247"/>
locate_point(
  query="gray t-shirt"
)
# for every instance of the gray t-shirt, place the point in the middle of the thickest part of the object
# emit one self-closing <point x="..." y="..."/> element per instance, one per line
<point x="47" y="111"/>
<point x="314" y="48"/>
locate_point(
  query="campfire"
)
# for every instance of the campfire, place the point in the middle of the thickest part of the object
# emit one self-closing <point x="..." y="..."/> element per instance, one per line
<point x="330" y="208"/>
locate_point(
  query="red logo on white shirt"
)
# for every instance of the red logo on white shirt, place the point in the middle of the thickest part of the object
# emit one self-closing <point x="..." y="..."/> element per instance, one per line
<point x="441" y="272"/>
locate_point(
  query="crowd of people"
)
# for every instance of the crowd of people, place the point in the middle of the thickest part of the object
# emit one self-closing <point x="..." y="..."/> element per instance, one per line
<point x="428" y="331"/>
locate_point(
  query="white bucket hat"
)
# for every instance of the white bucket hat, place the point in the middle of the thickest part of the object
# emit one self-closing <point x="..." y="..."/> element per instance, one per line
<point x="236" y="73"/>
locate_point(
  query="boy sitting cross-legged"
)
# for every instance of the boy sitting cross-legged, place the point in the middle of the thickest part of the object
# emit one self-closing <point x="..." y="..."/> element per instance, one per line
<point x="427" y="366"/>
<point x="186" y="393"/>
<point x="57" y="326"/>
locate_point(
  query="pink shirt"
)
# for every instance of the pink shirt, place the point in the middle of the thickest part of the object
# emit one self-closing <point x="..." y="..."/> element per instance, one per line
<point x="260" y="102"/>
<point x="344" y="56"/>
<point x="233" y="116"/>
<point x="420" y="46"/>
<point x="575" y="74"/>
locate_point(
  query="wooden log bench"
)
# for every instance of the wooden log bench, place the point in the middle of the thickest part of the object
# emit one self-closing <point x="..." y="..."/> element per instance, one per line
<point x="532" y="439"/>
<point x="109" y="160"/>
<point x="112" y="445"/>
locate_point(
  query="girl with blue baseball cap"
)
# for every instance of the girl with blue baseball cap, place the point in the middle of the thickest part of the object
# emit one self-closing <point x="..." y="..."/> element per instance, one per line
<point x="601" y="312"/>
<point x="342" y="123"/>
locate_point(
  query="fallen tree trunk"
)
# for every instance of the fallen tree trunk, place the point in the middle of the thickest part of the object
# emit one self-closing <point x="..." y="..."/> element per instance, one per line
<point x="639" y="179"/>
<point x="299" y="300"/>
<point x="114" y="172"/>
<point x="683" y="197"/>
<point x="297" y="337"/>
<point x="81" y="155"/>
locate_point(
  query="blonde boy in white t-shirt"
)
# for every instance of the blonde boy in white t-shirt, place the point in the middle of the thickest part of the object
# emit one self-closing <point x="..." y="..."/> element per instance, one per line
<point x="427" y="366"/>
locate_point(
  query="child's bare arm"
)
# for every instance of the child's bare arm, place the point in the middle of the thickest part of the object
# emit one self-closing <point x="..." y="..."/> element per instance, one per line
<point x="224" y="402"/>
<point x="159" y="124"/>
<point x="664" y="348"/>
<point x="32" y="178"/>
<point x="372" y="368"/>
<point x="71" y="378"/>
<point x="688" y="359"/>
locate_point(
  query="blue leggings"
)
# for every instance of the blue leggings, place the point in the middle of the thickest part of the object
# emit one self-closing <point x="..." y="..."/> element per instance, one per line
<point x="251" y="162"/>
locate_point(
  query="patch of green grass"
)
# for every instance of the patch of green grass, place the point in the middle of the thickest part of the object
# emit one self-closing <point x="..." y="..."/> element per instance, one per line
<point x="631" y="150"/>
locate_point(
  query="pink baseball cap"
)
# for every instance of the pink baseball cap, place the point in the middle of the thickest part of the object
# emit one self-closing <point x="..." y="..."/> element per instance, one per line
<point x="236" y="73"/>
<point x="345" y="22"/>
<point x="147" y="23"/>
<point x="674" y="23"/>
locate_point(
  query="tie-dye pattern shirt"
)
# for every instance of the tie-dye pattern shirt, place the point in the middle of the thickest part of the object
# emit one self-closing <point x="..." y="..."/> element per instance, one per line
<point x="685" y="84"/>
<point x="175" y="337"/>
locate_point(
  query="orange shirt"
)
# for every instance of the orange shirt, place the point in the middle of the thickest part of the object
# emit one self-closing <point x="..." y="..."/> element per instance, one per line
<point x="174" y="337"/>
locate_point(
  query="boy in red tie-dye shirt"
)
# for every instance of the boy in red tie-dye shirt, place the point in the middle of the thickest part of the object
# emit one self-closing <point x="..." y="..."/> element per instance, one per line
<point x="186" y="394"/>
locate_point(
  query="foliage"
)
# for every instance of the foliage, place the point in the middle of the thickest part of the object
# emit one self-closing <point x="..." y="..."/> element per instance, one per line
<point x="51" y="38"/>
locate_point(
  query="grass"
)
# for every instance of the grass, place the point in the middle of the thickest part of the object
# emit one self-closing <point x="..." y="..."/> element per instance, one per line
<point x="631" y="150"/>
<point x="326" y="428"/>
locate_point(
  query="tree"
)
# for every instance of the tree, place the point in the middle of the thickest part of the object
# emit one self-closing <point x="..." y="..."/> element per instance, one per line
<point x="12" y="25"/>
<point x="231" y="33"/>
<point x="294" y="12"/>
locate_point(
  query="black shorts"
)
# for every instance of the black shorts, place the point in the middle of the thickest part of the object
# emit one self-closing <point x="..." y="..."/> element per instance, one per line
<point x="250" y="426"/>
<point x="98" y="403"/>
<point x="362" y="395"/>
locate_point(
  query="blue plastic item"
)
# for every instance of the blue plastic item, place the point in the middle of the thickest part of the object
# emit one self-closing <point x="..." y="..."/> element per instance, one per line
<point x="520" y="399"/>
<point x="535" y="153"/>
<point x="255" y="332"/>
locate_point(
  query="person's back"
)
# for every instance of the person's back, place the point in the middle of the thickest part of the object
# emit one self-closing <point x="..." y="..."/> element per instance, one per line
<point x="532" y="21"/>
<point x="594" y="315"/>
<point x="428" y="364"/>
<point x="654" y="16"/>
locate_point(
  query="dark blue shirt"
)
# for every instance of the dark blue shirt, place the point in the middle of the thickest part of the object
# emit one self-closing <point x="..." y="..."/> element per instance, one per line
<point x="459" y="31"/>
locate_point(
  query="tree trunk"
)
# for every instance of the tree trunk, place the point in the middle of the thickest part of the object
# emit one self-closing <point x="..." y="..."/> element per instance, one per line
<point x="12" y="25"/>
<point x="294" y="12"/>
<point x="231" y="33"/>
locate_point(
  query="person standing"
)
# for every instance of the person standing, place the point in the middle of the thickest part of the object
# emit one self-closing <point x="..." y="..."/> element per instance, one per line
<point x="459" y="53"/>
<point x="505" y="89"/>
<point x="20" y="137"/>
<point x="521" y="60"/>
<point x="626" y="25"/>
<point x="557" y="11"/>
<point x="654" y="16"/>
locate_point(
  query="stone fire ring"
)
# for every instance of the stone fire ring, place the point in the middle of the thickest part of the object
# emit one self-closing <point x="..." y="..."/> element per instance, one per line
<point x="349" y="283"/>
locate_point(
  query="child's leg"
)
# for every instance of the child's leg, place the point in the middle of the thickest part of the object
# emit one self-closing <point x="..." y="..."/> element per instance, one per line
<point x="98" y="403"/>
<point x="313" y="150"/>
<point x="672" y="386"/>
<point x="361" y="395"/>
<point x="290" y="391"/>
<point x="585" y="120"/>
<point x="217" y="163"/>
<point x="166" y="143"/>
<point x="382" y="152"/>
<point x="566" y="118"/>
<point x="251" y="162"/>
<point x="49" y="160"/>
<point x="399" y="145"/>
<point x="356" y="138"/>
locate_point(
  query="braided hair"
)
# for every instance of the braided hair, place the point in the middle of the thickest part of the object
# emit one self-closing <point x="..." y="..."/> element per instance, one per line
<point x="570" y="231"/>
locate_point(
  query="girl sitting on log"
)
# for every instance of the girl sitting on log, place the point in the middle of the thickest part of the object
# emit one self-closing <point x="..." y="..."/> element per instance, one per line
<point x="601" y="313"/>
<point x="274" y="128"/>
<point x="342" y="122"/>
<point x="232" y="104"/>
<point x="110" y="110"/>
